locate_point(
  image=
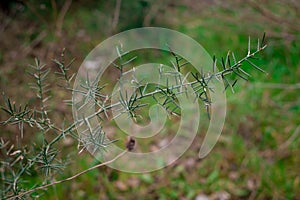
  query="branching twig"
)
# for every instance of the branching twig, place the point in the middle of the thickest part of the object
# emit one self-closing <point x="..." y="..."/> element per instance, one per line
<point x="61" y="16"/>
<point x="116" y="15"/>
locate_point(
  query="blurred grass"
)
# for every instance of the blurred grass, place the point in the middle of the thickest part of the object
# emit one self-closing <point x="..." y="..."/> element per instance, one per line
<point x="248" y="161"/>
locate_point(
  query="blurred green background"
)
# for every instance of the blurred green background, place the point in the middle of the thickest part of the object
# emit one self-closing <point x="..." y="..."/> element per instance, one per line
<point x="257" y="156"/>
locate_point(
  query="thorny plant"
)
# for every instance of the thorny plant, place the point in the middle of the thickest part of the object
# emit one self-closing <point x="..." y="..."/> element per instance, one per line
<point x="17" y="163"/>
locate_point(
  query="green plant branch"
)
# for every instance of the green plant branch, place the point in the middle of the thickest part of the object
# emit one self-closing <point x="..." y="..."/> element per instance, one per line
<point x="236" y="66"/>
<point x="91" y="91"/>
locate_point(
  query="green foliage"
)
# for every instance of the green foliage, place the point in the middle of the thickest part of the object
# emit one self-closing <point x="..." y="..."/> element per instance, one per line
<point x="45" y="158"/>
<point x="268" y="113"/>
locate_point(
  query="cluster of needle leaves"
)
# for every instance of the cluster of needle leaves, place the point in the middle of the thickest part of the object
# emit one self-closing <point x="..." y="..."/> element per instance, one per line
<point x="21" y="161"/>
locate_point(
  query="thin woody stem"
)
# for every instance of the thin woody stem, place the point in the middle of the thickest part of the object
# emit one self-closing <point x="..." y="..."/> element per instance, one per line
<point x="67" y="179"/>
